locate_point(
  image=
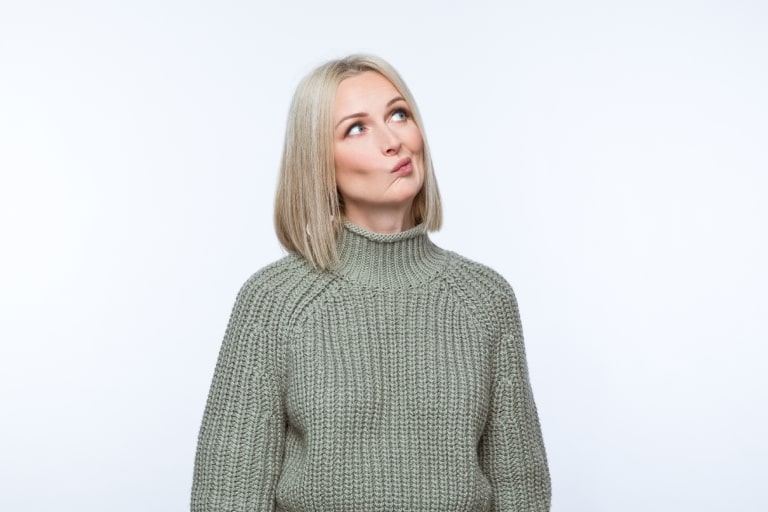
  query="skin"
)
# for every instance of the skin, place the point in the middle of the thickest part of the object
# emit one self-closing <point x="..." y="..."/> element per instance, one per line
<point x="373" y="134"/>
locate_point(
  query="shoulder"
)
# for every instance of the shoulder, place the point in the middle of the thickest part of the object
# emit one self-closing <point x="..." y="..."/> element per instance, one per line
<point x="276" y="277"/>
<point x="482" y="289"/>
<point x="283" y="290"/>
<point x="476" y="276"/>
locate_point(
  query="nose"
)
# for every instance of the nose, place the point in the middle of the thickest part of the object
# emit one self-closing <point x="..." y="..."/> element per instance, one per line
<point x="390" y="142"/>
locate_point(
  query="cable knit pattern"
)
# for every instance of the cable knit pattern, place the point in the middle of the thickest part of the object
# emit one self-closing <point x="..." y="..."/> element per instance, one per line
<point x="396" y="382"/>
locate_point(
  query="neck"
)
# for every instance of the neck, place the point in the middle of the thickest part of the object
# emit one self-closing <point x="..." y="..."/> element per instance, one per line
<point x="387" y="260"/>
<point x="381" y="220"/>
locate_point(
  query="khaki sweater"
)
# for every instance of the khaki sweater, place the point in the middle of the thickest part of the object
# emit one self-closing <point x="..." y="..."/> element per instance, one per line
<point x="396" y="382"/>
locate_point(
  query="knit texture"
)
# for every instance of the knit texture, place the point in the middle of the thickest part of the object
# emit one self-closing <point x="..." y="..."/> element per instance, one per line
<point x="395" y="382"/>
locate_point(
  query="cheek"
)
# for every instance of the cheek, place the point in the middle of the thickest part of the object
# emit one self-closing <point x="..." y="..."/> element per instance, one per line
<point x="339" y="158"/>
<point x="348" y="160"/>
<point x="414" y="140"/>
<point x="415" y="144"/>
<point x="351" y="172"/>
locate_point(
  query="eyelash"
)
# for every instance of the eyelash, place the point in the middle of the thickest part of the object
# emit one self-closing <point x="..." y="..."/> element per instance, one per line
<point x="349" y="130"/>
<point x="399" y="110"/>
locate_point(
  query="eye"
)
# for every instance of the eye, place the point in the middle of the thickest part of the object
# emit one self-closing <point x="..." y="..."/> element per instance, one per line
<point x="355" y="129"/>
<point x="399" y="115"/>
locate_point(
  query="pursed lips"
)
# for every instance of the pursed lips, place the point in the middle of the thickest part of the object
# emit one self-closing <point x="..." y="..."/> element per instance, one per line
<point x="403" y="165"/>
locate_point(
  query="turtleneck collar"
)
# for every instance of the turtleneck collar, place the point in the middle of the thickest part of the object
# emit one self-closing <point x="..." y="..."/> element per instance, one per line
<point x="395" y="260"/>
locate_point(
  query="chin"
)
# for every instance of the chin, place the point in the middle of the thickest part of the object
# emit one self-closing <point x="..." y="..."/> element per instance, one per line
<point x="405" y="198"/>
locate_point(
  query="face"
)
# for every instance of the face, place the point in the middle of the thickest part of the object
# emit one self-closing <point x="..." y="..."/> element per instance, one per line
<point x="377" y="148"/>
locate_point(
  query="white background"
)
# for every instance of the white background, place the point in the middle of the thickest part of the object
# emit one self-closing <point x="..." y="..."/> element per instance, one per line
<point x="608" y="158"/>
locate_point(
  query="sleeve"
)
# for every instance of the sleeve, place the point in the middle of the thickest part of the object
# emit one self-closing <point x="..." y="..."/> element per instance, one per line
<point x="511" y="450"/>
<point x="240" y="445"/>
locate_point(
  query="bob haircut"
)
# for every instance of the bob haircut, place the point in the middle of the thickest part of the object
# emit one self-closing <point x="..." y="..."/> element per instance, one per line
<point x="308" y="209"/>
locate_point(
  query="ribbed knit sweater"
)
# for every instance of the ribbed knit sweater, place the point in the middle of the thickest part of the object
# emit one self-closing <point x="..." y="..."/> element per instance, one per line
<point x="395" y="382"/>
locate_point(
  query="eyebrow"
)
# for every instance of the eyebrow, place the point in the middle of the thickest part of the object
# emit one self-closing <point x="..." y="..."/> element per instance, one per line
<point x="363" y="114"/>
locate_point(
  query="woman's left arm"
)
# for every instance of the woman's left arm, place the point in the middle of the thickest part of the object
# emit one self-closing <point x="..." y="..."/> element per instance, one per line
<point x="512" y="450"/>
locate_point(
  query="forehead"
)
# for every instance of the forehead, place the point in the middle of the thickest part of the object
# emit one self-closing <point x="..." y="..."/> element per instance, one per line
<point x="363" y="92"/>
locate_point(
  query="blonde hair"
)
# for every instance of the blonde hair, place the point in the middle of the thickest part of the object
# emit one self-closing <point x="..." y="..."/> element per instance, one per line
<point x="308" y="210"/>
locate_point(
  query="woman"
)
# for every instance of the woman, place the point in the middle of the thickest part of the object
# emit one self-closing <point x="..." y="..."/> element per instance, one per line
<point x="368" y="370"/>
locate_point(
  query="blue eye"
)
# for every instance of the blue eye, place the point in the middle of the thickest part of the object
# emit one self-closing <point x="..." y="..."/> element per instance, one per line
<point x="355" y="129"/>
<point x="399" y="115"/>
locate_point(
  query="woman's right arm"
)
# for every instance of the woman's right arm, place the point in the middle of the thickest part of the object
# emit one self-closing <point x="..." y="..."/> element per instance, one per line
<point x="240" y="446"/>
